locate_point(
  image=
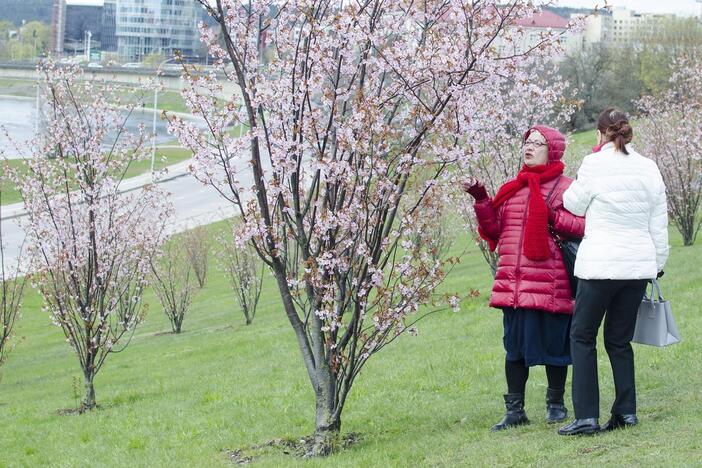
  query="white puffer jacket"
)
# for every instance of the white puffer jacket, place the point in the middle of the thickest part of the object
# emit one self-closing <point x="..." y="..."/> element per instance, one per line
<point x="626" y="218"/>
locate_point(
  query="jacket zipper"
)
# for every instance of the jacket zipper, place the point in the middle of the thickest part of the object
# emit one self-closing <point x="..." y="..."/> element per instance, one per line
<point x="519" y="251"/>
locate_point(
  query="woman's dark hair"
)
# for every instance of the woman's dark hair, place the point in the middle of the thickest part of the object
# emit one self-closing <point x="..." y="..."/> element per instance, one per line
<point x="614" y="125"/>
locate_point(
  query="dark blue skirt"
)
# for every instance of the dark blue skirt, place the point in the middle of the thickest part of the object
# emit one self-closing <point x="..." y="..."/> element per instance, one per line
<point x="538" y="337"/>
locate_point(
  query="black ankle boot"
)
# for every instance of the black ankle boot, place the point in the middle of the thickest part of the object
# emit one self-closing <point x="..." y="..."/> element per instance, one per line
<point x="620" y="421"/>
<point x="555" y="408"/>
<point x="580" y="426"/>
<point x="515" y="415"/>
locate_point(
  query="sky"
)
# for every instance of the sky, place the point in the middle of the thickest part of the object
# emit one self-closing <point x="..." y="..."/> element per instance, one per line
<point x="680" y="7"/>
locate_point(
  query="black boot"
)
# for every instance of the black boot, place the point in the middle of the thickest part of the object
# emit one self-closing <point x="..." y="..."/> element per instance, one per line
<point x="555" y="409"/>
<point x="620" y="421"/>
<point x="580" y="426"/>
<point x="515" y="415"/>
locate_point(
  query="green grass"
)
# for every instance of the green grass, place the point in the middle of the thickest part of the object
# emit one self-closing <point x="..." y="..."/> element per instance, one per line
<point x="168" y="100"/>
<point x="423" y="401"/>
<point x="12" y="87"/>
<point x="164" y="157"/>
<point x="579" y="145"/>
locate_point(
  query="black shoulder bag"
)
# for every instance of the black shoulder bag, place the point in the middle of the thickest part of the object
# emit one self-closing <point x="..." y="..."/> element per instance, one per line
<point x="569" y="248"/>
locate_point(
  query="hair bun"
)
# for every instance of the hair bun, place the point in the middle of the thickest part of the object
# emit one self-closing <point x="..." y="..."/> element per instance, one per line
<point x="615" y="125"/>
<point x="621" y="128"/>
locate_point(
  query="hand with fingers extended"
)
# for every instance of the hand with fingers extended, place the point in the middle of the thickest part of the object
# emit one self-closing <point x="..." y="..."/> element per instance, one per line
<point x="475" y="189"/>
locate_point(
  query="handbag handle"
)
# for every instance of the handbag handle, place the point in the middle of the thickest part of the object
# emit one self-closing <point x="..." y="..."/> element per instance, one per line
<point x="548" y="197"/>
<point x="657" y="288"/>
<point x="555" y="235"/>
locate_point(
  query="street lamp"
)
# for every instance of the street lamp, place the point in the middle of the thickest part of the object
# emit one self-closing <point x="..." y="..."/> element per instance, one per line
<point x="87" y="36"/>
<point x="36" y="113"/>
<point x="153" y="127"/>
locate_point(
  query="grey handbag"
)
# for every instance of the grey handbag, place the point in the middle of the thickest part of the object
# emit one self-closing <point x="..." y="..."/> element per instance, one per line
<point x="655" y="325"/>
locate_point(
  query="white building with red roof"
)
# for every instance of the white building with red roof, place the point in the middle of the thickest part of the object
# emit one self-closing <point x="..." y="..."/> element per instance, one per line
<point x="536" y="27"/>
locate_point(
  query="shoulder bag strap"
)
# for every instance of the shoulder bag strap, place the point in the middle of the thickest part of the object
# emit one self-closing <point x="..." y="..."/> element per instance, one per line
<point x="548" y="197"/>
<point x="556" y="237"/>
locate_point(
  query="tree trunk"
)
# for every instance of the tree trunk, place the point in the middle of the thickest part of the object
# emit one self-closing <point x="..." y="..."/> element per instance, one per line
<point x="688" y="237"/>
<point x="327" y="427"/>
<point x="89" y="400"/>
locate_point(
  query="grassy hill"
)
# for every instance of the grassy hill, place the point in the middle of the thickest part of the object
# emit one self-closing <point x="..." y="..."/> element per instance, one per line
<point x="184" y="400"/>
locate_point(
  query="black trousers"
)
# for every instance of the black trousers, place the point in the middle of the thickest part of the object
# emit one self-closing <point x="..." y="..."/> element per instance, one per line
<point x="620" y="299"/>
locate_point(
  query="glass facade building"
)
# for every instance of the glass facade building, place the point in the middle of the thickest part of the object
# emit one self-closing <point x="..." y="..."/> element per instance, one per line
<point x="156" y="26"/>
<point x="109" y="18"/>
<point x="81" y="18"/>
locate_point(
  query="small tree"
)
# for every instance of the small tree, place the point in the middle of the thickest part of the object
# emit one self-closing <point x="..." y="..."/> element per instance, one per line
<point x="12" y="287"/>
<point x="670" y="132"/>
<point x="343" y="105"/>
<point x="89" y="245"/>
<point x="174" y="282"/>
<point x="245" y="272"/>
<point x="197" y="246"/>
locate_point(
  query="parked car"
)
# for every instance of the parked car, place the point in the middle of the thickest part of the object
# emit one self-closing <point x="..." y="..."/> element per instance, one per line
<point x="132" y="65"/>
<point x="94" y="65"/>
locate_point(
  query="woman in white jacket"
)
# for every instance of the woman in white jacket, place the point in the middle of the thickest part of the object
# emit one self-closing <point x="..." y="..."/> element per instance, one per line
<point x="622" y="196"/>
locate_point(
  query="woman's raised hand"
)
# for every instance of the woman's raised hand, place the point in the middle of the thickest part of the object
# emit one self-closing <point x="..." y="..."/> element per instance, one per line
<point x="475" y="189"/>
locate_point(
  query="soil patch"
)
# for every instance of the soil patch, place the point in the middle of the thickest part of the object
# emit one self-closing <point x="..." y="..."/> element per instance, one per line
<point x="293" y="447"/>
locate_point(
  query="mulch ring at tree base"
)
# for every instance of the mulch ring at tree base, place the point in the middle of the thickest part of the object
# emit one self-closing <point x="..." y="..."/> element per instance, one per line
<point x="75" y="411"/>
<point x="294" y="447"/>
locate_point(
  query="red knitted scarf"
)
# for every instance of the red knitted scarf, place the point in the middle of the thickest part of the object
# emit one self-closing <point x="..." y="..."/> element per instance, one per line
<point x="536" y="231"/>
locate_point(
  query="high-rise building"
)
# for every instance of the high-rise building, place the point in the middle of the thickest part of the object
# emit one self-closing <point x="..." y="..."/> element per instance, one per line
<point x="109" y="18"/>
<point x="72" y="22"/>
<point x="81" y="18"/>
<point x="628" y="25"/>
<point x="620" y="27"/>
<point x="597" y="29"/>
<point x="156" y="26"/>
<point x="58" y="26"/>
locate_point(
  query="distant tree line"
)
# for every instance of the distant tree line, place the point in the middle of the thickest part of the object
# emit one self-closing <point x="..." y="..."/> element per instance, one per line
<point x="16" y="11"/>
<point x="610" y="74"/>
<point x="26" y="42"/>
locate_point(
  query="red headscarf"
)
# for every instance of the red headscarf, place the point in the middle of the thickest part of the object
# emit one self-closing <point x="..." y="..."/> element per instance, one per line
<point x="536" y="230"/>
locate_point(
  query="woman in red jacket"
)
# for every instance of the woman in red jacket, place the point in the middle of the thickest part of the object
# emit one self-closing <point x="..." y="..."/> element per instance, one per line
<point x="531" y="283"/>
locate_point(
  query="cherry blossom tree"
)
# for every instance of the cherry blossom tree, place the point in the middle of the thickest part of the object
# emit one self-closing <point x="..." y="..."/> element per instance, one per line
<point x="345" y="107"/>
<point x="89" y="245"/>
<point x="174" y="281"/>
<point x="197" y="246"/>
<point x="245" y="272"/>
<point x="12" y="282"/>
<point x="670" y="132"/>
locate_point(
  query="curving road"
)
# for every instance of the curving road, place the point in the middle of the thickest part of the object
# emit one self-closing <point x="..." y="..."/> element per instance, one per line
<point x="194" y="204"/>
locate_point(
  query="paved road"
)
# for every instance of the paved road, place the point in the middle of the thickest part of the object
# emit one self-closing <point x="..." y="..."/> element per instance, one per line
<point x="194" y="205"/>
<point x="17" y="117"/>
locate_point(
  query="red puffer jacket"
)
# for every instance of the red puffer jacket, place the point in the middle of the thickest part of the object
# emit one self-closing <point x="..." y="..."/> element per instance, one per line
<point x="520" y="282"/>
